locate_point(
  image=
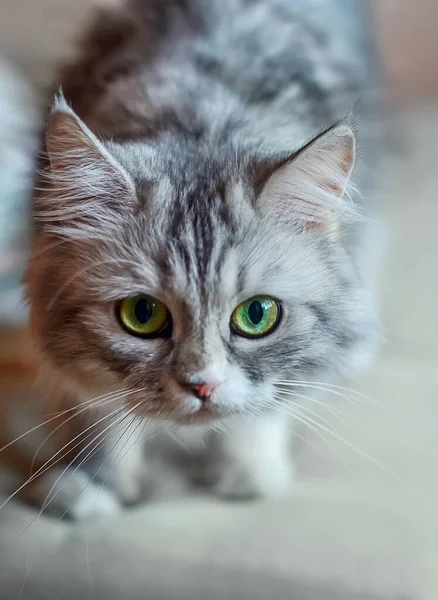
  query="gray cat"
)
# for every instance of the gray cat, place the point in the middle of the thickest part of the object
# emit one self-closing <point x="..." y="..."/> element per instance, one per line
<point x="199" y="255"/>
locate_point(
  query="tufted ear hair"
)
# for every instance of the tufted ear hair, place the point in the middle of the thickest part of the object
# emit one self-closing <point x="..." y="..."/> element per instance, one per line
<point x="84" y="185"/>
<point x="311" y="185"/>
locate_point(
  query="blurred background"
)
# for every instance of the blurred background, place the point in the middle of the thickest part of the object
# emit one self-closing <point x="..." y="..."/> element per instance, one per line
<point x="38" y="35"/>
<point x="363" y="523"/>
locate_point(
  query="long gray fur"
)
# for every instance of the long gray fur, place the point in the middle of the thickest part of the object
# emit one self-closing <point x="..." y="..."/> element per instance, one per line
<point x="194" y="99"/>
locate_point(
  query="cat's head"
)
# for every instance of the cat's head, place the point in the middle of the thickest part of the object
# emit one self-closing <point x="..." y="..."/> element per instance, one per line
<point x="201" y="277"/>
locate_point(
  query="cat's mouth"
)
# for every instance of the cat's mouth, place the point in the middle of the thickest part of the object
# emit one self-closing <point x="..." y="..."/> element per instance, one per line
<point x="201" y="414"/>
<point x="206" y="412"/>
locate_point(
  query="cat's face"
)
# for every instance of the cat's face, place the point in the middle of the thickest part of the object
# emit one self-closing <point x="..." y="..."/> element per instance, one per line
<point x="187" y="279"/>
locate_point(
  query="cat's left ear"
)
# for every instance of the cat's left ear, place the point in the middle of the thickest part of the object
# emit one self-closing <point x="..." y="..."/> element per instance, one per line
<point x="85" y="184"/>
<point x="310" y="186"/>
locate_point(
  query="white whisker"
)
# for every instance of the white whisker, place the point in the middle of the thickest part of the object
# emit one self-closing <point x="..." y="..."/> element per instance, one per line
<point x="333" y="411"/>
<point x="143" y="421"/>
<point x="355" y="449"/>
<point x="106" y="431"/>
<point x="329" y="387"/>
<point x="47" y="502"/>
<point x="54" y="417"/>
<point x="46" y="466"/>
<point x="168" y="427"/>
<point x="315" y="429"/>
<point x="123" y="429"/>
<point x="114" y="398"/>
<point x="317" y="448"/>
<point x="219" y="426"/>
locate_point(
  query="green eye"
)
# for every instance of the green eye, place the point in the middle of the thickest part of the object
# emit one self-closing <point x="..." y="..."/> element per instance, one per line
<point x="256" y="317"/>
<point x="145" y="316"/>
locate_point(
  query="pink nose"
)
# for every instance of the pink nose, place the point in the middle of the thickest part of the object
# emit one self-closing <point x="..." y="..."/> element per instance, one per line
<point x="202" y="390"/>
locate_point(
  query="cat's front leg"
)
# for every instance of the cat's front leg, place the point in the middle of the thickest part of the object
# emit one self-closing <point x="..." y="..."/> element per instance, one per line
<point x="112" y="477"/>
<point x="255" y="458"/>
<point x="69" y="492"/>
<point x="125" y="470"/>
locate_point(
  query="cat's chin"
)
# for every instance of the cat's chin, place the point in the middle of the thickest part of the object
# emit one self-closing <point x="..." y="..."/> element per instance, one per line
<point x="201" y="416"/>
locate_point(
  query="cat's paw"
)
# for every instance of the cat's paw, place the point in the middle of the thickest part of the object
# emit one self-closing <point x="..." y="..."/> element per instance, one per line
<point x="243" y="481"/>
<point x="131" y="484"/>
<point x="94" y="503"/>
<point x="72" y="494"/>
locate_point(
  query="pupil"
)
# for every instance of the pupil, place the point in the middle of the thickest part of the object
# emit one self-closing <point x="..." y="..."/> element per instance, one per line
<point x="255" y="312"/>
<point x="143" y="310"/>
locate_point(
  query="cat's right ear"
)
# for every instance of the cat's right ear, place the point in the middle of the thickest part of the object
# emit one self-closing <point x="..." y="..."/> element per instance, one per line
<point x="85" y="184"/>
<point x="312" y="187"/>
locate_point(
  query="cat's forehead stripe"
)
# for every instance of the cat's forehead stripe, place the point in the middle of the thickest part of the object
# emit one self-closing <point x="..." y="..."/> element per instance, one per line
<point x="200" y="230"/>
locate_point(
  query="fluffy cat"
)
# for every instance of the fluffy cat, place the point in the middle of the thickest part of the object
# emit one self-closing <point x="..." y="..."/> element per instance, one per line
<point x="199" y="249"/>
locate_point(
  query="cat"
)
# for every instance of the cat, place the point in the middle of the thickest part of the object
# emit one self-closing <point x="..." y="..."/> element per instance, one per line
<point x="199" y="258"/>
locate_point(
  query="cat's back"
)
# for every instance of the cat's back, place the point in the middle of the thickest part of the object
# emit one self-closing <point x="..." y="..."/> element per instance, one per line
<point x="229" y="65"/>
